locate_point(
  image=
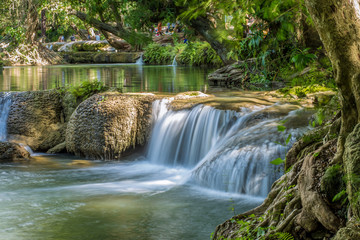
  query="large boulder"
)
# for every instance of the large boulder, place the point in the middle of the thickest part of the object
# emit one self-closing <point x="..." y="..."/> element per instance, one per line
<point x="13" y="152"/>
<point x="107" y="125"/>
<point x="36" y="119"/>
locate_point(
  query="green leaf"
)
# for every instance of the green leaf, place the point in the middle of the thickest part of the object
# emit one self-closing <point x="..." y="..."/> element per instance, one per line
<point x="339" y="196"/>
<point x="281" y="128"/>
<point x="277" y="161"/>
<point x="288" y="139"/>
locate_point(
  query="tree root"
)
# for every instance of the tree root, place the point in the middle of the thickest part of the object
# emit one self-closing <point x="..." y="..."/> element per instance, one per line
<point x="295" y="203"/>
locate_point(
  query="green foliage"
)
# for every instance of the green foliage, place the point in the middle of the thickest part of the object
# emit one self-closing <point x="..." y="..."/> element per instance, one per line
<point x="197" y="54"/>
<point x="342" y="195"/>
<point x="86" y="89"/>
<point x="277" y="161"/>
<point x="286" y="141"/>
<point x="16" y="34"/>
<point x="302" y="91"/>
<point x="193" y="54"/>
<point x="284" y="236"/>
<point x="248" y="229"/>
<point x="302" y="58"/>
<point x="158" y="54"/>
<point x="333" y="184"/>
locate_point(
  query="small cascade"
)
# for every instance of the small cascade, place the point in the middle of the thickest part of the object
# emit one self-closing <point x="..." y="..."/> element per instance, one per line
<point x="184" y="137"/>
<point x="5" y="103"/>
<point x="140" y="60"/>
<point x="226" y="150"/>
<point x="174" y="63"/>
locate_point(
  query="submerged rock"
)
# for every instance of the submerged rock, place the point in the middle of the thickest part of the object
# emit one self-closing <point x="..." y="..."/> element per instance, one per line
<point x="13" y="152"/>
<point x="105" y="126"/>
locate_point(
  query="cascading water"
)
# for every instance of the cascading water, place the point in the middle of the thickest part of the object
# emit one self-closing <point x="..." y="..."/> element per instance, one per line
<point x="5" y="103"/>
<point x="226" y="150"/>
<point x="174" y="63"/>
<point x="184" y="137"/>
<point x="140" y="60"/>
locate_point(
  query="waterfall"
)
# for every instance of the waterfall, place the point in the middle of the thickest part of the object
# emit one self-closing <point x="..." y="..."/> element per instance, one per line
<point x="174" y="63"/>
<point x="225" y="150"/>
<point x="140" y="60"/>
<point x="184" y="137"/>
<point x="5" y="103"/>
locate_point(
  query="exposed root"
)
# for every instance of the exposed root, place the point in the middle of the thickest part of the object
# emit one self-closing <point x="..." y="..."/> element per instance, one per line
<point x="296" y="203"/>
<point x="29" y="54"/>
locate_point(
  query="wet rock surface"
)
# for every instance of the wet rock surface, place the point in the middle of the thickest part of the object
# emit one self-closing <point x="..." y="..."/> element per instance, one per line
<point x="36" y="119"/>
<point x="106" y="126"/>
<point x="13" y="152"/>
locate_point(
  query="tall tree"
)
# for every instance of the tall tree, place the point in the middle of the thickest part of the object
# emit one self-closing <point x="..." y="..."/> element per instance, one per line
<point x="338" y="23"/>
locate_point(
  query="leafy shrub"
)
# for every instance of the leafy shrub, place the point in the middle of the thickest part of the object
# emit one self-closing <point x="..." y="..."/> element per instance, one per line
<point x="302" y="58"/>
<point x="158" y="54"/>
<point x="199" y="53"/>
<point x="87" y="89"/>
<point x="193" y="54"/>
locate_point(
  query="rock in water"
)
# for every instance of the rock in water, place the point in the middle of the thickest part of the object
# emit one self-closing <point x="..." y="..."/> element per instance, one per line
<point x="36" y="119"/>
<point x="106" y="125"/>
<point x="13" y="152"/>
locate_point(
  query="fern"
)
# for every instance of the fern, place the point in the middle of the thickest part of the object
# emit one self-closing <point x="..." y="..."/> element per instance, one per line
<point x="284" y="236"/>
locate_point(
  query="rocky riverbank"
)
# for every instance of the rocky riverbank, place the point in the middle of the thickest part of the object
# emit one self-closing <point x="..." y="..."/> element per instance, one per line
<point x="102" y="127"/>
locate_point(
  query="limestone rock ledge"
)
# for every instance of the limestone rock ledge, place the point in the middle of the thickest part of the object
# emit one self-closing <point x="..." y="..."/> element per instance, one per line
<point x="36" y="119"/>
<point x="106" y="126"/>
<point x="10" y="152"/>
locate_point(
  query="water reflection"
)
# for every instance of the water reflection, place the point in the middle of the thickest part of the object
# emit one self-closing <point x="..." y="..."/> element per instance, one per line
<point x="128" y="77"/>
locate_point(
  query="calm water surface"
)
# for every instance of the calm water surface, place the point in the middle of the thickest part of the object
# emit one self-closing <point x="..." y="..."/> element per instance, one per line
<point x="52" y="199"/>
<point x="128" y="77"/>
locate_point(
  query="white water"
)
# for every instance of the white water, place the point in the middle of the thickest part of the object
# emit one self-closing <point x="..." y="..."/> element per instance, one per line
<point x="174" y="63"/>
<point x="5" y="103"/>
<point x="200" y="164"/>
<point x="140" y="60"/>
<point x="224" y="150"/>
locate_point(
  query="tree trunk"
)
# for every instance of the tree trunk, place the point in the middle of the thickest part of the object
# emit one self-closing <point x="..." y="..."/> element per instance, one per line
<point x="43" y="23"/>
<point x="131" y="37"/>
<point x="82" y="33"/>
<point x="208" y="31"/>
<point x="31" y="22"/>
<point x="338" y="24"/>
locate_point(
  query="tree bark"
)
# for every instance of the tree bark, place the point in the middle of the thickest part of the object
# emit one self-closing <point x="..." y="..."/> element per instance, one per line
<point x="208" y="31"/>
<point x="82" y="34"/>
<point x="129" y="36"/>
<point x="32" y="22"/>
<point x="338" y="24"/>
<point x="43" y="23"/>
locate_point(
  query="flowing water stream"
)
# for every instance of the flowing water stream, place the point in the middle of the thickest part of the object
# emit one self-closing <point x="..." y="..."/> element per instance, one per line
<point x="201" y="166"/>
<point x="5" y="102"/>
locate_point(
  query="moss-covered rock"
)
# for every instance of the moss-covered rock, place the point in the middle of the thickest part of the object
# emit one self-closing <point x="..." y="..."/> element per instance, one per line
<point x="352" y="168"/>
<point x="87" y="46"/>
<point x="100" y="57"/>
<point x="36" y="119"/>
<point x="60" y="148"/>
<point x="105" y="126"/>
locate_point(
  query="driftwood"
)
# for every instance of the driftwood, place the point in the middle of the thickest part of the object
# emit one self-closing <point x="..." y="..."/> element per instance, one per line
<point x="235" y="75"/>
